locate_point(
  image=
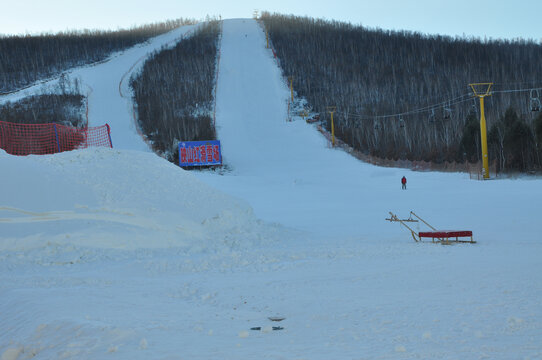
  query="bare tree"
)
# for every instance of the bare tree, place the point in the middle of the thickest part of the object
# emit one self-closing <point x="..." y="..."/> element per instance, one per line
<point x="400" y="94"/>
<point x="174" y="92"/>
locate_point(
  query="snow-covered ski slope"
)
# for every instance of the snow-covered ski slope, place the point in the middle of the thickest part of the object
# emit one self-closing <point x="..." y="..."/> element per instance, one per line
<point x="289" y="174"/>
<point x="108" y="90"/>
<point x="116" y="253"/>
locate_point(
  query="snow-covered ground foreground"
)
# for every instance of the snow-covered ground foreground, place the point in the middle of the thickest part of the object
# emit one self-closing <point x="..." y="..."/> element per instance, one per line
<point x="116" y="253"/>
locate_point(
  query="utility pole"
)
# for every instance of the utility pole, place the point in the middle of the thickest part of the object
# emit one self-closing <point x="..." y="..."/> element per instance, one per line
<point x="483" y="128"/>
<point x="291" y="78"/>
<point x="331" y="110"/>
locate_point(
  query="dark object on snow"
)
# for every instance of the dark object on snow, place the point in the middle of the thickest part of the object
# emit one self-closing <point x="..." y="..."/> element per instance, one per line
<point x="403" y="182"/>
<point x="276" y="318"/>
<point x="258" y="328"/>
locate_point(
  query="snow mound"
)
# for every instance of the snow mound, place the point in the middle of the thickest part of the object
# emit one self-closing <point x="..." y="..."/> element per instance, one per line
<point x="106" y="198"/>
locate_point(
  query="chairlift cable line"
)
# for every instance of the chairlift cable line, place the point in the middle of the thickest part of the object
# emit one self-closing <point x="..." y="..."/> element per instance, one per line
<point x="411" y="112"/>
<point x="454" y="101"/>
<point x="517" y="90"/>
<point x="508" y="84"/>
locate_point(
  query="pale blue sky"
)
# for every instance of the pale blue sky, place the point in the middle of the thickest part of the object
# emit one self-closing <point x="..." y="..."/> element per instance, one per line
<point x="480" y="18"/>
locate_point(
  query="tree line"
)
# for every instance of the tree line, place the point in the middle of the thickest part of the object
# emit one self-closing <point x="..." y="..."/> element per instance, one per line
<point x="512" y="143"/>
<point x="28" y="58"/>
<point x="422" y="79"/>
<point x="62" y="105"/>
<point x="67" y="109"/>
<point x="174" y="92"/>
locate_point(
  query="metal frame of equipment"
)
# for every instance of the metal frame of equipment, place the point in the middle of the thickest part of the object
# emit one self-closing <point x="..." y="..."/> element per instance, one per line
<point x="436" y="236"/>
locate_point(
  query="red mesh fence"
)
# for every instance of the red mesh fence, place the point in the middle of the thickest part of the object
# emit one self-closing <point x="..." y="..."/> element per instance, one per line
<point x="25" y="139"/>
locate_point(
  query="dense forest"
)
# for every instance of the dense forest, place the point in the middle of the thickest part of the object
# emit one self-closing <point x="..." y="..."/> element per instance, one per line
<point x="67" y="109"/>
<point x="405" y="95"/>
<point x="174" y="92"/>
<point x="61" y="104"/>
<point x="27" y="59"/>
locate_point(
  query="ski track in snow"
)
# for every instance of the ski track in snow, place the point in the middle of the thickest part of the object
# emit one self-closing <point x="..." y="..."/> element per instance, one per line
<point x="116" y="253"/>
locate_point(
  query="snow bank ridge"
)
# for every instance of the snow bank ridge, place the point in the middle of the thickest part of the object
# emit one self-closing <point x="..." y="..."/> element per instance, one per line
<point x="131" y="200"/>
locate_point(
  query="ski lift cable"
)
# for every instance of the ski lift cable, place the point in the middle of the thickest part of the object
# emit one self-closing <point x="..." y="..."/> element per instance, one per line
<point x="515" y="90"/>
<point x="513" y="84"/>
<point x="455" y="101"/>
<point x="411" y="112"/>
<point x="458" y="100"/>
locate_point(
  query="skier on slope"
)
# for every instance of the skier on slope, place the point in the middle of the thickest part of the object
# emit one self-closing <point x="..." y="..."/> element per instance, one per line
<point x="403" y="182"/>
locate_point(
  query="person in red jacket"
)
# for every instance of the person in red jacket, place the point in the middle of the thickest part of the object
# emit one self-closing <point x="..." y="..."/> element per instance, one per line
<point x="403" y="182"/>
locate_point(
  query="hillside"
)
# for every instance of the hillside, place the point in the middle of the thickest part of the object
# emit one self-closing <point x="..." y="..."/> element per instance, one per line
<point x="27" y="59"/>
<point x="403" y="95"/>
<point x="173" y="92"/>
<point x="399" y="98"/>
<point x="117" y="253"/>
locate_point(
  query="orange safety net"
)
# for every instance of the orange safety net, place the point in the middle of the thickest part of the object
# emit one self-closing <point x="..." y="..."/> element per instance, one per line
<point x="25" y="139"/>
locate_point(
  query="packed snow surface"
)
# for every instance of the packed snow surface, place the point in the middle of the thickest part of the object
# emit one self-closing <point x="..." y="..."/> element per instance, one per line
<point x="116" y="253"/>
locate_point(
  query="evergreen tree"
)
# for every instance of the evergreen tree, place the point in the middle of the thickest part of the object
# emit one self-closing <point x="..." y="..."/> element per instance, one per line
<point x="538" y="129"/>
<point x="512" y="143"/>
<point x="470" y="141"/>
<point x="518" y="142"/>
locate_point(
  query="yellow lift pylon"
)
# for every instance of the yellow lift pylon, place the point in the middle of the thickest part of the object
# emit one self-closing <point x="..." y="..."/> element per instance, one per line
<point x="483" y="128"/>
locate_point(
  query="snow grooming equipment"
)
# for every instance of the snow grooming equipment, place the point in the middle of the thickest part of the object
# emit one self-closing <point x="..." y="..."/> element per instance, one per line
<point x="445" y="237"/>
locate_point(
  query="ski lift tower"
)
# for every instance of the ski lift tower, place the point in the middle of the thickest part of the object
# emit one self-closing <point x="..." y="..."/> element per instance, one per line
<point x="478" y="91"/>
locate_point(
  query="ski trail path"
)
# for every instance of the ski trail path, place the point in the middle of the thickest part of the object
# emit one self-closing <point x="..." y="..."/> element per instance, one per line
<point x="110" y="97"/>
<point x="251" y="98"/>
<point x="108" y="90"/>
<point x="270" y="158"/>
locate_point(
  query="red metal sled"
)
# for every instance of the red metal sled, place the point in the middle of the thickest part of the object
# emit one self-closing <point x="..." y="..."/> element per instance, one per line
<point x="445" y="235"/>
<point x="440" y="236"/>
